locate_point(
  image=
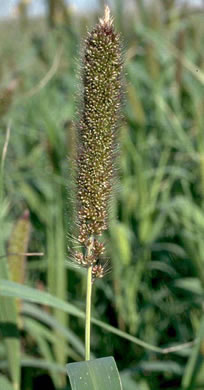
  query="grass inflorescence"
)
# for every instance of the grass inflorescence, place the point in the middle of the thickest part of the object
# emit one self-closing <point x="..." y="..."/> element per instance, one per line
<point x="97" y="138"/>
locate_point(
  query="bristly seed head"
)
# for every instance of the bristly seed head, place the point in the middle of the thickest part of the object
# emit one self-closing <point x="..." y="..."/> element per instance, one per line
<point x="97" y="133"/>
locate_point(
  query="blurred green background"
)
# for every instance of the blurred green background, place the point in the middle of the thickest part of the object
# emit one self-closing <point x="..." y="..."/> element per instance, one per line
<point x="155" y="243"/>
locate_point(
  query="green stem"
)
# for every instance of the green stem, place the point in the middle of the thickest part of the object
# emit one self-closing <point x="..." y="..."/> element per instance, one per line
<point x="88" y="314"/>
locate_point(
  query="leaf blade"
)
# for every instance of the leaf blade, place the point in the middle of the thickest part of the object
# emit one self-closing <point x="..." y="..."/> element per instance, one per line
<point x="98" y="374"/>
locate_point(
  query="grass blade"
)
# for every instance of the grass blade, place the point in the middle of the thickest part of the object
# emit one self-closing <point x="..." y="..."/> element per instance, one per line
<point x="96" y="374"/>
<point x="11" y="289"/>
<point x="47" y="319"/>
<point x="192" y="365"/>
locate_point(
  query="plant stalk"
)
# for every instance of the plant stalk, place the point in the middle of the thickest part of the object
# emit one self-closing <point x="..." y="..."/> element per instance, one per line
<point x="88" y="313"/>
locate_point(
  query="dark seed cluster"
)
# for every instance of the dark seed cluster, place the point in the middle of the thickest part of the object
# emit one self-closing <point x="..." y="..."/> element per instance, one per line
<point x="97" y="132"/>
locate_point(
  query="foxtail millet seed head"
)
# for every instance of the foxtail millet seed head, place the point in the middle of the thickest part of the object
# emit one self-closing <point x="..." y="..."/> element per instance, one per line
<point x="97" y="131"/>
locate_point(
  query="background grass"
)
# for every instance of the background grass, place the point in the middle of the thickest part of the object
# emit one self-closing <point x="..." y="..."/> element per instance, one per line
<point x="155" y="242"/>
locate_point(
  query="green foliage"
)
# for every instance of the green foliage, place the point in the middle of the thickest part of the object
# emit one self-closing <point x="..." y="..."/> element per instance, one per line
<point x="9" y="331"/>
<point x="154" y="290"/>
